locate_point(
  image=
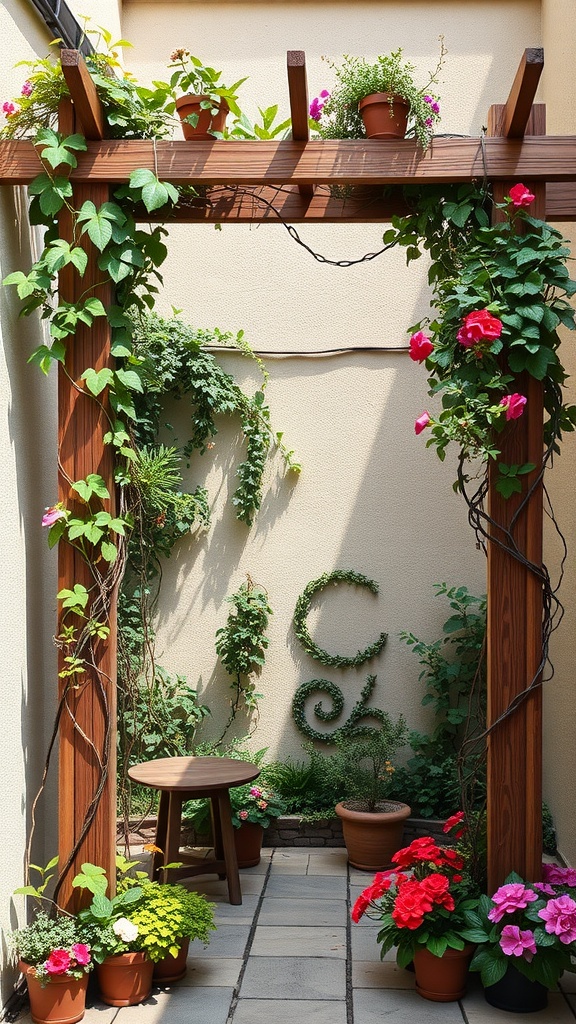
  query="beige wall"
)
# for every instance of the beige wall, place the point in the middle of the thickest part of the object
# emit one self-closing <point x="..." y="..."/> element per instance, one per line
<point x="371" y="497"/>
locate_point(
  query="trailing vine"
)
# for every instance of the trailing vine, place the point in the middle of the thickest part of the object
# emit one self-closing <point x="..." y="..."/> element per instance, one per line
<point x="352" y="725"/>
<point x="303" y="607"/>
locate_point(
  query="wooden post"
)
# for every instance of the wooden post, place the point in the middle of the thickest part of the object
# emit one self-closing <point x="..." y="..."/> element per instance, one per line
<point x="515" y="610"/>
<point x="88" y="723"/>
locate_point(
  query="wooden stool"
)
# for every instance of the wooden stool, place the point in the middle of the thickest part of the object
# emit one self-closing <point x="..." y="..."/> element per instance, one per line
<point x="188" y="778"/>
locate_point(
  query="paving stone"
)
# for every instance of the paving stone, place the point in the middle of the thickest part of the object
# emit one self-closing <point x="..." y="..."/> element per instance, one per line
<point x="384" y="974"/>
<point x="298" y="941"/>
<point x="320" y="887"/>
<point x="364" y="945"/>
<point x="226" y="913"/>
<point x="213" y="887"/>
<point x="328" y="862"/>
<point x="229" y="940"/>
<point x="302" y="912"/>
<point x="179" y="1006"/>
<point x="220" y="971"/>
<point x="287" y="1011"/>
<point x="568" y="982"/>
<point x="301" y="976"/>
<point x="478" y="1011"/>
<point x="373" y="1006"/>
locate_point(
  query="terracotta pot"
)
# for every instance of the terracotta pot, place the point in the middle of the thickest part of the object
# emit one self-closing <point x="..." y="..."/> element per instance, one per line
<point x="385" y="115"/>
<point x="248" y="842"/>
<point x="172" y="968"/>
<point x="372" y="837"/>
<point x="61" y="1001"/>
<point x="516" y="993"/>
<point x="442" y="978"/>
<point x="125" y="979"/>
<point x="207" y="122"/>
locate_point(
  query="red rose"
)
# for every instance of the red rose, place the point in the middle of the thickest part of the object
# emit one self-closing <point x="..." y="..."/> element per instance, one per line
<point x="514" y="405"/>
<point x="479" y="326"/>
<point x="420" y="347"/>
<point x="521" y="196"/>
<point x="436" y="886"/>
<point x="58" y="962"/>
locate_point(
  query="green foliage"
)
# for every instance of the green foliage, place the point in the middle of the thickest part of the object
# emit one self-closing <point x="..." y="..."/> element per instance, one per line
<point x="243" y="128"/>
<point x="548" y="831"/>
<point x="303" y="608"/>
<point x="166" y="914"/>
<point x="255" y="804"/>
<point x="357" y="78"/>
<point x="242" y="644"/>
<point x="351" y="727"/>
<point x="365" y="762"/>
<point x="192" y="76"/>
<point x="36" y="941"/>
<point x="100" y="917"/>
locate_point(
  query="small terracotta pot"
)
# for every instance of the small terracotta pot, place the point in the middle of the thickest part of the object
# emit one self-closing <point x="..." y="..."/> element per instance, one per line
<point x="61" y="1001"/>
<point x="385" y="115"/>
<point x="172" y="968"/>
<point x="207" y="122"/>
<point x="372" y="837"/>
<point x="442" y="978"/>
<point x="125" y="979"/>
<point x="248" y="842"/>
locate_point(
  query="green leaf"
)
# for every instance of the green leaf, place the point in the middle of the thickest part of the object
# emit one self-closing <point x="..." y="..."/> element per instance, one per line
<point x="130" y="379"/>
<point x="142" y="176"/>
<point x="93" y="484"/>
<point x="109" y="551"/>
<point x="154" y="195"/>
<point x="95" y="307"/>
<point x="97" y="381"/>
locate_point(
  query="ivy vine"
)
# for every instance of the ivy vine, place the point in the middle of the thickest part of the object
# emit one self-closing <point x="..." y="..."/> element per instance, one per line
<point x="303" y="607"/>
<point x="351" y="727"/>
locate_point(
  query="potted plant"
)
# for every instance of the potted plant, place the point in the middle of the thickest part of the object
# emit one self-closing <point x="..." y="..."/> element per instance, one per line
<point x="55" y="959"/>
<point x="206" y="102"/>
<point x="526" y="936"/>
<point x="423" y="914"/>
<point x="253" y="808"/>
<point x="372" y="824"/>
<point x="379" y="100"/>
<point x="168" y="918"/>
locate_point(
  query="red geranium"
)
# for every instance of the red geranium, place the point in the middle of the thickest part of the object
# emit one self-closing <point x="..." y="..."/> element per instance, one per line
<point x="424" y="849"/>
<point x="410" y="905"/>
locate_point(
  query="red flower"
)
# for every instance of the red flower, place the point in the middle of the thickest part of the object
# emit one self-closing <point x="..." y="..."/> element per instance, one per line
<point x="451" y="823"/>
<point x="411" y="903"/>
<point x="420" y="849"/>
<point x="58" y="962"/>
<point x="514" y="405"/>
<point x="422" y="422"/>
<point x="360" y="906"/>
<point x="521" y="196"/>
<point x="479" y="326"/>
<point x="420" y="347"/>
<point x="452" y="859"/>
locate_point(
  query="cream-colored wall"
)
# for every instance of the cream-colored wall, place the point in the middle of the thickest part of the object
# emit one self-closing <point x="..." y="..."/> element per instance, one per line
<point x="371" y="497"/>
<point x="559" y="706"/>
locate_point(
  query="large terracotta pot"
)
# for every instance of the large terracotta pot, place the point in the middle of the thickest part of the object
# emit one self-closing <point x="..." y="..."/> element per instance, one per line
<point x="207" y="122"/>
<point x="61" y="1001"/>
<point x="442" y="978"/>
<point x="125" y="979"/>
<point x="172" y="968"/>
<point x="516" y="993"/>
<point x="372" y="837"/>
<point x="248" y="842"/>
<point x="385" y="116"/>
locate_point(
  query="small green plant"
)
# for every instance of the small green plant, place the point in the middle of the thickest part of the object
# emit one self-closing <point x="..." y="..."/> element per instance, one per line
<point x="364" y="763"/>
<point x="192" y="76"/>
<point x="167" y="914"/>
<point x="241" y="645"/>
<point x="243" y="128"/>
<point x="105" y="923"/>
<point x="53" y="946"/>
<point x="255" y="804"/>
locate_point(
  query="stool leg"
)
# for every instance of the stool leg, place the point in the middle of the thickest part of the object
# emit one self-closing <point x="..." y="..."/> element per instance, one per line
<point x="174" y="825"/>
<point x="229" y="848"/>
<point x="161" y="832"/>
<point x="216" y="831"/>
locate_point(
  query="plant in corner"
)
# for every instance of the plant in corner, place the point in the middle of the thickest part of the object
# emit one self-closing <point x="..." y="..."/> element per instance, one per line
<point x="422" y="904"/>
<point x="206" y="102"/>
<point x="387" y="83"/>
<point x="253" y="808"/>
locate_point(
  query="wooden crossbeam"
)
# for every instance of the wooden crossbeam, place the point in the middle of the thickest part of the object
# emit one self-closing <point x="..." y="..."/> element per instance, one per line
<point x="87" y="105"/>
<point x="298" y="91"/>
<point x="513" y="117"/>
<point x="362" y="162"/>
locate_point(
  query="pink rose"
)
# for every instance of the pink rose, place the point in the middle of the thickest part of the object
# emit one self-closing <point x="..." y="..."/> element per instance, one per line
<point x="58" y="962"/>
<point x="52" y="515"/>
<point x="420" y="347"/>
<point x="422" y="422"/>
<point x="478" y="326"/>
<point x="514" y="405"/>
<point x="560" y="918"/>
<point x="242" y="815"/>
<point x="81" y="953"/>
<point x="521" y="196"/>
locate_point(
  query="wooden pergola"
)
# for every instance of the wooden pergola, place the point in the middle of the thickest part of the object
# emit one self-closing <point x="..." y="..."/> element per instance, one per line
<point x="237" y="176"/>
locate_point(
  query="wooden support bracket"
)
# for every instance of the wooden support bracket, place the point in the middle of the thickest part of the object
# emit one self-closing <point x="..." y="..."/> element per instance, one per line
<point x="89" y="111"/>
<point x="516" y="111"/>
<point x="298" y="89"/>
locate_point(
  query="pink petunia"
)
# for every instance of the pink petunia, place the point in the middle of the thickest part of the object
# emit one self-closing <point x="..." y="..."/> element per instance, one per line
<point x="560" y="918"/>
<point x="556" y="875"/>
<point x="509" y="898"/>
<point x="9" y="108"/>
<point x="27" y="89"/>
<point x="514" y="942"/>
<point x="514" y="405"/>
<point x="58" y="962"/>
<point x="544" y="887"/>
<point x="422" y="422"/>
<point x="255" y="791"/>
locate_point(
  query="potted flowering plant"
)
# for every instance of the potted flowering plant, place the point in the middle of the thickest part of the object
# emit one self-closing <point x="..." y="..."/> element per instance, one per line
<point x="253" y="808"/>
<point x="206" y="102"/>
<point x="422" y="904"/>
<point x="55" y="959"/>
<point x="526" y="938"/>
<point x="379" y="100"/>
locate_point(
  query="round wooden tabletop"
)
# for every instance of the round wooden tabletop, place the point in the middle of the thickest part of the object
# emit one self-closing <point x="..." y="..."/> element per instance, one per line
<point x="189" y="773"/>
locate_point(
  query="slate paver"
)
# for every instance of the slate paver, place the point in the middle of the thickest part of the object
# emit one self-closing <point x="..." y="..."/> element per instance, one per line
<point x="295" y="976"/>
<point x="287" y="1011"/>
<point x="297" y="941"/>
<point x="320" y="887"/>
<point x="373" y="1006"/>
<point x="180" y="1006"/>
<point x="302" y="912"/>
<point x="229" y="940"/>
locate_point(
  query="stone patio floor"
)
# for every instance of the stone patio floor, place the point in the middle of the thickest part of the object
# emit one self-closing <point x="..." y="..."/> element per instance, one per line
<point x="290" y="955"/>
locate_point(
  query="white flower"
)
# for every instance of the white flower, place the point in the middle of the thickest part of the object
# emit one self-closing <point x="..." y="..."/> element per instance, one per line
<point x="125" y="930"/>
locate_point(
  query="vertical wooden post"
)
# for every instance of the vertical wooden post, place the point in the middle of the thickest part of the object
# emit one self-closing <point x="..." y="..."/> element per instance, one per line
<point x="88" y="723"/>
<point x="515" y="609"/>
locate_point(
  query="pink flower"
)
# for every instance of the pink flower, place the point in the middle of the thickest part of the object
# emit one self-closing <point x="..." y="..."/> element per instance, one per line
<point x="255" y="791"/>
<point x="556" y="875"/>
<point x="420" y="347"/>
<point x="543" y="887"/>
<point x="9" y="108"/>
<point x="81" y="953"/>
<point x="514" y="405"/>
<point x="317" y="105"/>
<point x="27" y="89"/>
<point x="478" y="326"/>
<point x="52" y="515"/>
<point x="521" y="196"/>
<point x="262" y="804"/>
<point x="510" y="897"/>
<point x="242" y="815"/>
<point x="433" y="104"/>
<point x="58" y="962"/>
<point x="560" y="918"/>
<point x="513" y="942"/>
<point x="422" y="422"/>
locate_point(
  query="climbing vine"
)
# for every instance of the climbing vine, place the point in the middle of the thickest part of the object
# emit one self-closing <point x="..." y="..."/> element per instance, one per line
<point x="303" y="607"/>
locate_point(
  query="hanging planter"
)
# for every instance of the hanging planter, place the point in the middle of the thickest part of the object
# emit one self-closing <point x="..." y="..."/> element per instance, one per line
<point x="385" y="115"/>
<point x="61" y="1001"/>
<point x="442" y="979"/>
<point x="211" y="116"/>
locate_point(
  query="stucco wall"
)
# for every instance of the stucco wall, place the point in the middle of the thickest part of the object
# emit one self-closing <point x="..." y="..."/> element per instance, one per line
<point x="371" y="497"/>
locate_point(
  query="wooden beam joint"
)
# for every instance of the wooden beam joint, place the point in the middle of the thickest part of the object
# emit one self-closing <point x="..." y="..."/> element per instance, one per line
<point x="89" y="110"/>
